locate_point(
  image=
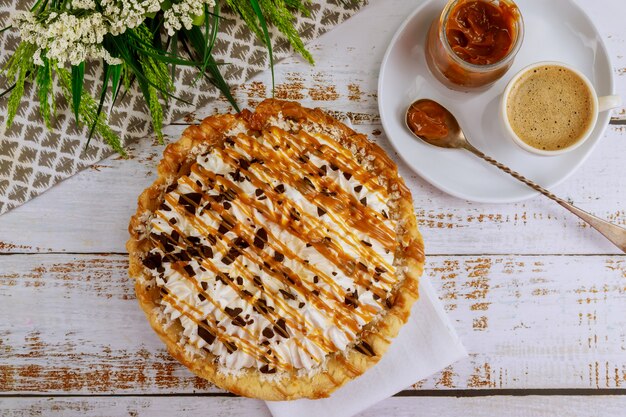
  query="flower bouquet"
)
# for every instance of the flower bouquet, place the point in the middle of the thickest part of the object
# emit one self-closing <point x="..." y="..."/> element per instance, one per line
<point x="135" y="43"/>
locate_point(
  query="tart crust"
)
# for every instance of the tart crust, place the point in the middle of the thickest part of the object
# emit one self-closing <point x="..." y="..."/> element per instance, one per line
<point x="340" y="367"/>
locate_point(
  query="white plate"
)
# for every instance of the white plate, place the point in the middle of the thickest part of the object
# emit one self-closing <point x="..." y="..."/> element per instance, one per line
<point x="555" y="30"/>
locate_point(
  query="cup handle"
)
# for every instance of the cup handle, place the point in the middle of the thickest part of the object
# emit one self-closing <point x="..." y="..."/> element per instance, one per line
<point x="609" y="102"/>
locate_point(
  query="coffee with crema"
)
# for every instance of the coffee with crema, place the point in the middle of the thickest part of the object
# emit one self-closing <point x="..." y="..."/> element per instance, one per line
<point x="550" y="107"/>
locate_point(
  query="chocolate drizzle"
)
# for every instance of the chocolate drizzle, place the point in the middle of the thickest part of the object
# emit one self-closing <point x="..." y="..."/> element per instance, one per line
<point x="152" y="261"/>
<point x="280" y="328"/>
<point x="364" y="348"/>
<point x="260" y="238"/>
<point x="206" y="334"/>
<point x="190" y="201"/>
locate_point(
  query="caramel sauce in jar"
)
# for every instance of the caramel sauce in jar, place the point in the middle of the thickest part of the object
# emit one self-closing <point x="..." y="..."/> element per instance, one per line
<point x="474" y="42"/>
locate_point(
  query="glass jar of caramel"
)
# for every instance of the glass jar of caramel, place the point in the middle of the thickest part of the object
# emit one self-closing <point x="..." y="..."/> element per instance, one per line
<point x="474" y="42"/>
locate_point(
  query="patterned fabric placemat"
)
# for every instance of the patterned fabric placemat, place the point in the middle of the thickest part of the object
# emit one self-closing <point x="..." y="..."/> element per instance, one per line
<point x="33" y="158"/>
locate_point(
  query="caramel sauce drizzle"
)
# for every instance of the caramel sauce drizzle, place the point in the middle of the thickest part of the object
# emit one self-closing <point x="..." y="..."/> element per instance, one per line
<point x="293" y="281"/>
<point x="245" y="345"/>
<point x="257" y="353"/>
<point x="215" y="270"/>
<point x="272" y="170"/>
<point x="344" y="206"/>
<point x="316" y="301"/>
<point x="214" y="179"/>
<point x="251" y="202"/>
<point x="242" y="271"/>
<point x="368" y="311"/>
<point x="201" y="226"/>
<point x="286" y="207"/>
<point x="227" y="243"/>
<point x="283" y="209"/>
<point x="342" y="158"/>
<point x="342" y="154"/>
<point x="342" y="261"/>
<point x="351" y="211"/>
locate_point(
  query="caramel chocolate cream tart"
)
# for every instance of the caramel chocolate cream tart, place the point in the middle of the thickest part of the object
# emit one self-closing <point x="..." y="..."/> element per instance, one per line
<point x="277" y="253"/>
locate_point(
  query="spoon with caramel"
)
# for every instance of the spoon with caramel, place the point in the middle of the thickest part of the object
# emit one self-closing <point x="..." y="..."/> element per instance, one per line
<point x="435" y="125"/>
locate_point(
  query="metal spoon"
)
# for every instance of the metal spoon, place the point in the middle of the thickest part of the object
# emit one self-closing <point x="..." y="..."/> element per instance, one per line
<point x="455" y="139"/>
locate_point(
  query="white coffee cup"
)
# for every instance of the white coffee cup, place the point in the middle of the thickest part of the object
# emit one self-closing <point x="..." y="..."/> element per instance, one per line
<point x="599" y="104"/>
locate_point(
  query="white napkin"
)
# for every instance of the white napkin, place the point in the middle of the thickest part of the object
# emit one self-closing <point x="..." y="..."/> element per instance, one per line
<point x="425" y="345"/>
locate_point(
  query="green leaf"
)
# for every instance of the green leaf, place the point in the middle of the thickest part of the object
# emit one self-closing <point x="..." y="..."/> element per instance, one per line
<point x="156" y="111"/>
<point x="154" y="25"/>
<point x="18" y="68"/>
<point x="154" y="78"/>
<point x="247" y="13"/>
<point x="44" y="88"/>
<point x="217" y="79"/>
<point x="266" y="35"/>
<point x="134" y="65"/>
<point x="174" y="47"/>
<point x="88" y="112"/>
<point x="209" y="39"/>
<point x="206" y="52"/>
<point x="103" y="92"/>
<point x="299" y="6"/>
<point x="40" y="5"/>
<point x="128" y="78"/>
<point x="276" y="11"/>
<point x="144" y="47"/>
<point x="193" y="38"/>
<point x="282" y="18"/>
<point x="215" y="27"/>
<point x="168" y="60"/>
<point x="78" y="78"/>
<point x="116" y="76"/>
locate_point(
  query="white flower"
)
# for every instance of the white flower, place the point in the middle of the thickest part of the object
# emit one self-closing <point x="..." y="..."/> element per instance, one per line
<point x="67" y="38"/>
<point x="182" y="14"/>
<point x="84" y="4"/>
<point x="122" y="15"/>
<point x="37" y="58"/>
<point x="110" y="59"/>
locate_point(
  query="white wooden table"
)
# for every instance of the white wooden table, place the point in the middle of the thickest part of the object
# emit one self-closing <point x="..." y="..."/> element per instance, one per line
<point x="537" y="297"/>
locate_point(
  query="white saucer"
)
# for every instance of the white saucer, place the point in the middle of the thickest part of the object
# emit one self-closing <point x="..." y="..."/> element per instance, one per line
<point x="555" y="30"/>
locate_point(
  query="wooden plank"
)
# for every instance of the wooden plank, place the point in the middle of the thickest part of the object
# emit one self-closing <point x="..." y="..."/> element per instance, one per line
<point x="610" y="24"/>
<point x="336" y="81"/>
<point x="90" y="211"/>
<point x="536" y="406"/>
<point x="527" y="321"/>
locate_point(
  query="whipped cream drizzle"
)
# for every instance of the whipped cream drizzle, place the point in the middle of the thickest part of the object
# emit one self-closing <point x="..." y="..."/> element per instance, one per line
<point x="274" y="251"/>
